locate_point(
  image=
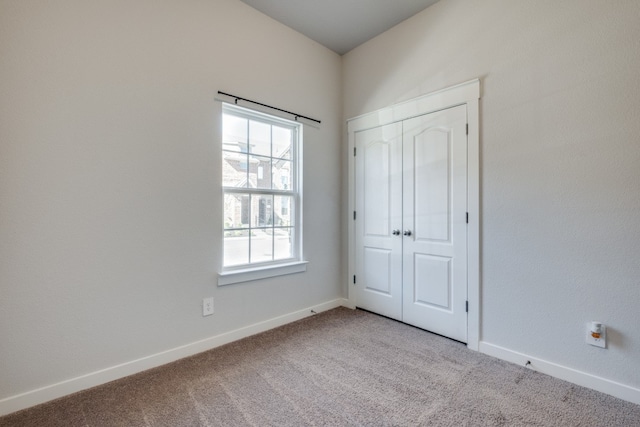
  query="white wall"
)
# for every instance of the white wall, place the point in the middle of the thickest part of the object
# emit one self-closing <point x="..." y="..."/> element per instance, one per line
<point x="560" y="162"/>
<point x="109" y="171"/>
<point x="110" y="201"/>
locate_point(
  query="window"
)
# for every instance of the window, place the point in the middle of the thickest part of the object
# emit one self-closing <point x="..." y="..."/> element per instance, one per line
<point x="261" y="170"/>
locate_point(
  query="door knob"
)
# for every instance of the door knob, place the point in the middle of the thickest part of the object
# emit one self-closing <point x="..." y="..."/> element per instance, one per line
<point x="407" y="232"/>
<point x="396" y="232"/>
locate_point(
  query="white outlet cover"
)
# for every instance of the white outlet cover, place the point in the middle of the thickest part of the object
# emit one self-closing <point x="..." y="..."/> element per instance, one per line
<point x="598" y="342"/>
<point x="207" y="306"/>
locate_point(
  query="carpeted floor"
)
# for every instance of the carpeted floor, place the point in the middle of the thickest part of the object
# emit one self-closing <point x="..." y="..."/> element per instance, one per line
<point x="338" y="368"/>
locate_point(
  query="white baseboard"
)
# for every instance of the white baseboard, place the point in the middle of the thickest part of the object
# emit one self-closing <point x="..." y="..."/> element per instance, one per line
<point x="54" y="391"/>
<point x="621" y="391"/>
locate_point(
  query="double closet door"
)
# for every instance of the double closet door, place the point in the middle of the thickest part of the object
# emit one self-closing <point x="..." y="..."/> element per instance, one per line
<point x="411" y="221"/>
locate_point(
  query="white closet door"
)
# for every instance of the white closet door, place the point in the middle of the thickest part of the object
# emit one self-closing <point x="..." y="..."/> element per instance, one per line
<point x="378" y="185"/>
<point x="434" y="224"/>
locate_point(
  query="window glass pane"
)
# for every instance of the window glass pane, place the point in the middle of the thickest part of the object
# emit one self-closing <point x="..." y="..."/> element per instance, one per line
<point x="282" y="238"/>
<point x="282" y="142"/>
<point x="282" y="211"/>
<point x="282" y="174"/>
<point x="234" y="169"/>
<point x="234" y="133"/>
<point x="259" y="138"/>
<point x="236" y="247"/>
<point x="261" y="245"/>
<point x="260" y="172"/>
<point x="261" y="210"/>
<point x="236" y="210"/>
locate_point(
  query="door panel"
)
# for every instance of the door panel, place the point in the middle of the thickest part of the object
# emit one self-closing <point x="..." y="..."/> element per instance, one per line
<point x="432" y="281"/>
<point x="377" y="187"/>
<point x="378" y="182"/>
<point x="434" y="209"/>
<point x="432" y="166"/>
<point x="377" y="270"/>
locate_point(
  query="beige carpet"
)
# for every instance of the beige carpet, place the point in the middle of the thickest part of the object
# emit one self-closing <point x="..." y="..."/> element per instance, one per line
<point x="338" y="368"/>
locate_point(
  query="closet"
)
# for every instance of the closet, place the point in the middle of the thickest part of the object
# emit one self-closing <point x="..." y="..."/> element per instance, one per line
<point x="410" y="191"/>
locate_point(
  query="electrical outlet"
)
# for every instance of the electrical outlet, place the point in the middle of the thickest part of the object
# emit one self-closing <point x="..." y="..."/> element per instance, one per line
<point x="596" y="334"/>
<point x="207" y="306"/>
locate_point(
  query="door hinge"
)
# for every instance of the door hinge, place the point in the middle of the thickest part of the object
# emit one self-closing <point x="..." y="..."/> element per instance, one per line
<point x="466" y="306"/>
<point x="467" y="128"/>
<point x="354" y="151"/>
<point x="354" y="215"/>
<point x="354" y="279"/>
<point x="467" y="217"/>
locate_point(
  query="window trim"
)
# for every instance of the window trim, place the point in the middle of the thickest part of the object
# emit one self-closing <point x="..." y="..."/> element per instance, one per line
<point x="229" y="277"/>
<point x="296" y="263"/>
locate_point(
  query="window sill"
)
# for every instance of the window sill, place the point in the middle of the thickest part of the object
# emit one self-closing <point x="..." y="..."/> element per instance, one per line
<point x="249" y="274"/>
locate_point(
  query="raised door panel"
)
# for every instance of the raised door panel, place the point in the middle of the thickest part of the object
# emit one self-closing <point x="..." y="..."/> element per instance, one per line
<point x="432" y="281"/>
<point x="377" y="270"/>
<point x="377" y="187"/>
<point x="432" y="183"/>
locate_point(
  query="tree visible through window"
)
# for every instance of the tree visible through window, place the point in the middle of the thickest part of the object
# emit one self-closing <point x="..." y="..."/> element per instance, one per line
<point x="260" y="169"/>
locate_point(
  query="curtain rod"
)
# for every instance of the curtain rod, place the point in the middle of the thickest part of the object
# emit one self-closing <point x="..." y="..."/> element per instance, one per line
<point x="296" y="115"/>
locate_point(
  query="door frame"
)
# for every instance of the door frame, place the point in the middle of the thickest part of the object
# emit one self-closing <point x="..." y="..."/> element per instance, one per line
<point x="468" y="94"/>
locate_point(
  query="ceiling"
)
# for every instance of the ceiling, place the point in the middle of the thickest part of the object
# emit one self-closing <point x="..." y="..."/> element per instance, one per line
<point x="340" y="25"/>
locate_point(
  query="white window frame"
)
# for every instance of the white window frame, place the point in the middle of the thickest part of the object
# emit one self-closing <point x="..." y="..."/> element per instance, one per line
<point x="295" y="264"/>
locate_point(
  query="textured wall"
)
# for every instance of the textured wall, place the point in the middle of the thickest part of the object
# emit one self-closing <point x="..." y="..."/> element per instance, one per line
<point x="110" y="202"/>
<point x="560" y="161"/>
